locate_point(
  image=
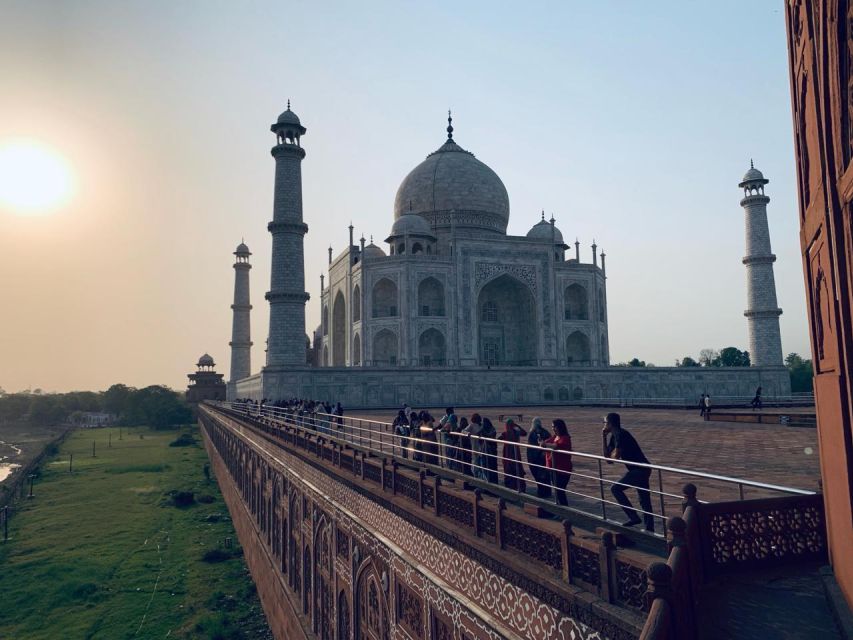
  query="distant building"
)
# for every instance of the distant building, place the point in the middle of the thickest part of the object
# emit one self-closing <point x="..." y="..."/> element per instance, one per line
<point x="92" y="419"/>
<point x="205" y="383"/>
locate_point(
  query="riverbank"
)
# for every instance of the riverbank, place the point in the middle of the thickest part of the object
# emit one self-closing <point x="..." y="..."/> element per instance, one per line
<point x="134" y="542"/>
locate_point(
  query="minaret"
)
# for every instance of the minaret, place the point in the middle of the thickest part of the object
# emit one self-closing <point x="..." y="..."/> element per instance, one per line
<point x="287" y="295"/>
<point x="241" y="342"/>
<point x="762" y="312"/>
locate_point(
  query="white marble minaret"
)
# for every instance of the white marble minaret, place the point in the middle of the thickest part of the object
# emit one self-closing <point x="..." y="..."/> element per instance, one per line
<point x="241" y="341"/>
<point x="287" y="295"/>
<point x="762" y="311"/>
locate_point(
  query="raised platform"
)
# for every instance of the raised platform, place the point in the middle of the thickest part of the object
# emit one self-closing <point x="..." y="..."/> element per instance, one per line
<point x="785" y="418"/>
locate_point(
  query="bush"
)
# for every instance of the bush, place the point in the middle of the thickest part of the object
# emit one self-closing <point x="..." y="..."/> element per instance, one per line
<point x="51" y="450"/>
<point x="216" y="555"/>
<point x="206" y="499"/>
<point x="184" y="440"/>
<point x="183" y="498"/>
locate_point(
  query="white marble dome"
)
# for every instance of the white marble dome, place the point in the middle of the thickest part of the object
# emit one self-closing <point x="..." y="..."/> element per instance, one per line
<point x="206" y="361"/>
<point x="372" y="251"/>
<point x="753" y="175"/>
<point x="410" y="224"/>
<point x="542" y="231"/>
<point x="453" y="180"/>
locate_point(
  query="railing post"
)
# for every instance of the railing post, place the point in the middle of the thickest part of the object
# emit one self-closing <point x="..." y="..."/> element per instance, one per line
<point x="566" y="542"/>
<point x="605" y="565"/>
<point x="421" y="478"/>
<point x="689" y="496"/>
<point x="393" y="477"/>
<point x="363" y="458"/>
<point x="499" y="534"/>
<point x="676" y="533"/>
<point x="659" y="583"/>
<point x="601" y="492"/>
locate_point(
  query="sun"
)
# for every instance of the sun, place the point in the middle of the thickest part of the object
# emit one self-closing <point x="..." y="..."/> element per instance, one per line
<point x="34" y="179"/>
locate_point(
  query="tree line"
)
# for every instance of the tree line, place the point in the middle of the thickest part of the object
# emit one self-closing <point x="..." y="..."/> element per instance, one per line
<point x="156" y="406"/>
<point x="799" y="369"/>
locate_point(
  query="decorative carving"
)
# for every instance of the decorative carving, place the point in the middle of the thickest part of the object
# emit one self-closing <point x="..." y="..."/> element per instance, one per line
<point x="342" y="544"/>
<point x="630" y="585"/>
<point x="486" y="521"/>
<point x="457" y="508"/>
<point x="372" y="472"/>
<point x="532" y="542"/>
<point x="410" y="611"/>
<point x="429" y="496"/>
<point x="585" y="565"/>
<point x="407" y="487"/>
<point x="486" y="271"/>
<point x="441" y="630"/>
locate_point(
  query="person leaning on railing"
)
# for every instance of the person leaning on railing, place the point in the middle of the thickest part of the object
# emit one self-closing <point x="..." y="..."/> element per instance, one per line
<point x="511" y="456"/>
<point x="402" y="429"/>
<point x="559" y="460"/>
<point x="536" y="458"/>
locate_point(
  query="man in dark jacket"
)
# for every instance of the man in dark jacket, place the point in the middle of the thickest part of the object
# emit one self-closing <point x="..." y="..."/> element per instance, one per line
<point x="622" y="446"/>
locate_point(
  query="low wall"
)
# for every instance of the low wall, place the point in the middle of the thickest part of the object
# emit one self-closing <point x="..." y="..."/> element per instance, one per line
<point x="371" y="387"/>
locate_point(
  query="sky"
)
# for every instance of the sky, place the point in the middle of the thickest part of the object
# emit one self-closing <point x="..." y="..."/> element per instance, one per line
<point x="631" y="123"/>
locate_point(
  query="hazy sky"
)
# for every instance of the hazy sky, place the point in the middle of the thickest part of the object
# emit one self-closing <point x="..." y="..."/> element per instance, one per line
<point x="631" y="122"/>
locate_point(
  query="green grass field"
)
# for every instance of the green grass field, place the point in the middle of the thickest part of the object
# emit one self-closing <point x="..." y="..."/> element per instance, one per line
<point x="102" y="552"/>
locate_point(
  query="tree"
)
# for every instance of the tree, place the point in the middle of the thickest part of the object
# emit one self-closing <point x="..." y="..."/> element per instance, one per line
<point x="636" y="362"/>
<point x="117" y="398"/>
<point x="734" y="357"/>
<point x="709" y="358"/>
<point x="686" y="361"/>
<point x="801" y="372"/>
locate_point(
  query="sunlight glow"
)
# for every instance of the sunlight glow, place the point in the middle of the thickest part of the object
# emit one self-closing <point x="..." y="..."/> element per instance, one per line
<point x="34" y="179"/>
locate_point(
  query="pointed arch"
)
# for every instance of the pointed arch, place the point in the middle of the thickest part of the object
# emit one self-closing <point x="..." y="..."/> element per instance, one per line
<point x="578" y="350"/>
<point x="339" y="330"/>
<point x="385" y="348"/>
<point x="430" y="297"/>
<point x="508" y="333"/>
<point x="576" y="302"/>
<point x="356" y="304"/>
<point x="385" y="299"/>
<point x="432" y="349"/>
<point x="371" y="608"/>
<point x="356" y="350"/>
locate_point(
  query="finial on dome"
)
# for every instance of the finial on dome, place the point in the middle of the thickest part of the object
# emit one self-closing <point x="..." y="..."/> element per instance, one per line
<point x="543" y="214"/>
<point x="449" y="125"/>
<point x="553" y="219"/>
<point x="371" y="238"/>
<point x="751" y="166"/>
<point x="288" y="104"/>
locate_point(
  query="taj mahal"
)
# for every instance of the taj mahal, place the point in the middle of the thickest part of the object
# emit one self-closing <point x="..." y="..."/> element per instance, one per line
<point x="452" y="310"/>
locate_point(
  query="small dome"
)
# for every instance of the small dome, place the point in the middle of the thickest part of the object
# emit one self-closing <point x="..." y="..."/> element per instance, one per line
<point x="542" y="231"/>
<point x="753" y="175"/>
<point x="242" y="250"/>
<point x="206" y="361"/>
<point x="411" y="224"/>
<point x="372" y="251"/>
<point x="288" y="117"/>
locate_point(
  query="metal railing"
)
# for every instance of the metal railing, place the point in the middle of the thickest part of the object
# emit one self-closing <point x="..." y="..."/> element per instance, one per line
<point x="482" y="465"/>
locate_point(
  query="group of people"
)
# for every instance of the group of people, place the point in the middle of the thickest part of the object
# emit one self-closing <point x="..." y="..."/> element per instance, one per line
<point x="470" y="446"/>
<point x="705" y="403"/>
<point x="322" y="414"/>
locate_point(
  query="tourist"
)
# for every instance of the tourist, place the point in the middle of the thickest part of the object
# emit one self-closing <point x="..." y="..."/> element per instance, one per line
<point x="511" y="456"/>
<point x="536" y="458"/>
<point x="339" y="411"/>
<point x="428" y="438"/>
<point x="490" y="450"/>
<point x="702" y="406"/>
<point x="415" y="435"/>
<point x="622" y="446"/>
<point x="447" y="425"/>
<point x="707" y="407"/>
<point x="401" y="429"/>
<point x="756" y="401"/>
<point x="478" y="446"/>
<point x="464" y="444"/>
<point x="558" y="460"/>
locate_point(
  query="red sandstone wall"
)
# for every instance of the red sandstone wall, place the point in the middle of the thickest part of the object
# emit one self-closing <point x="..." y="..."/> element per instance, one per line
<point x="281" y="613"/>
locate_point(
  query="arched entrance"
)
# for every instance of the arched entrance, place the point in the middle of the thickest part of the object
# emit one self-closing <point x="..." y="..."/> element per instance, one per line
<point x="577" y="350"/>
<point x="385" y="347"/>
<point x="323" y="580"/>
<point x="372" y="623"/>
<point x="339" y="331"/>
<point x="431" y="349"/>
<point x="506" y="313"/>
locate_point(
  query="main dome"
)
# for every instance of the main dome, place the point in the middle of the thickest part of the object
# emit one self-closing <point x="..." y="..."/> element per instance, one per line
<point x="453" y="180"/>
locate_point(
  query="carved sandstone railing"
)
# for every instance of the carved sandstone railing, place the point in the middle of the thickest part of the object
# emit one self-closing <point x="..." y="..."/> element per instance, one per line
<point x="591" y="562"/>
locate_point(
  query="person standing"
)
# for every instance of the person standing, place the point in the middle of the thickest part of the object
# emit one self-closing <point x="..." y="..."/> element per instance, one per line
<point x="707" y="407"/>
<point x="478" y="445"/>
<point x="559" y="460"/>
<point x="756" y="401"/>
<point x="536" y="458"/>
<point x="511" y="456"/>
<point x="401" y="429"/>
<point x="622" y="446"/>
<point x="339" y="411"/>
<point x="447" y="425"/>
<point x="702" y="406"/>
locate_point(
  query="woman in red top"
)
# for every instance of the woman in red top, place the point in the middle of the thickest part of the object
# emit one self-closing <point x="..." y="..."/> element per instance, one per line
<point x="558" y="461"/>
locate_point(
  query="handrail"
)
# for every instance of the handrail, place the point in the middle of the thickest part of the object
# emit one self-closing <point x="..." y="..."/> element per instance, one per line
<point x="742" y="482"/>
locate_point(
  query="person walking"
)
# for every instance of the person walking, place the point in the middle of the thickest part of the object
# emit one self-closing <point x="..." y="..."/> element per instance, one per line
<point x="756" y="401"/>
<point x="511" y="456"/>
<point x="702" y="406"/>
<point x="707" y="407"/>
<point x="559" y="460"/>
<point x="622" y="446"/>
<point x="536" y="458"/>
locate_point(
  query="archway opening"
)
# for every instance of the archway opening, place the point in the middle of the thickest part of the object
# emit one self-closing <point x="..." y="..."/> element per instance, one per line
<point x="432" y="350"/>
<point x="507" y="324"/>
<point x="577" y="303"/>
<point x="385" y="348"/>
<point x="356" y="350"/>
<point x="430" y="297"/>
<point x="339" y="331"/>
<point x="577" y="350"/>
<point x="356" y="304"/>
<point x="385" y="299"/>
